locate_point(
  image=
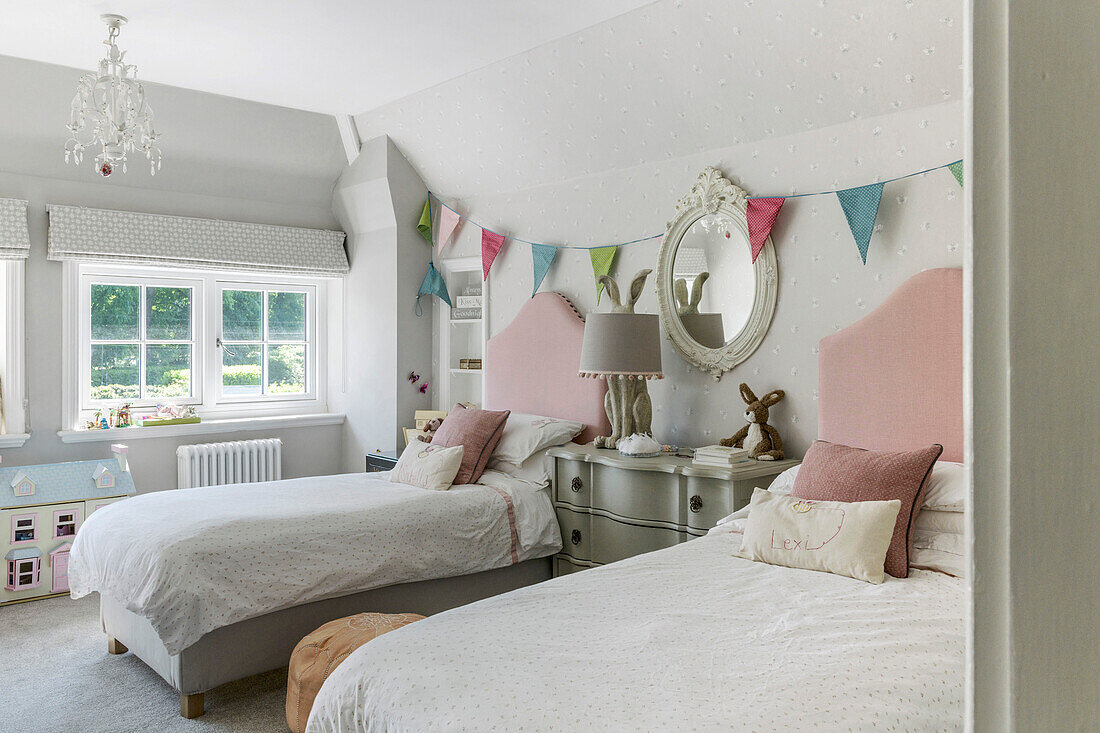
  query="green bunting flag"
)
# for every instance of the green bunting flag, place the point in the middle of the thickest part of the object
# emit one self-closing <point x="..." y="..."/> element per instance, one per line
<point x="542" y="256"/>
<point x="425" y="224"/>
<point x="602" y="257"/>
<point x="956" y="169"/>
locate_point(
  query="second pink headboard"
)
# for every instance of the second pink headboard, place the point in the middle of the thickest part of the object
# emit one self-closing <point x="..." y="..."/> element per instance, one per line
<point x="532" y="367"/>
<point x="894" y="379"/>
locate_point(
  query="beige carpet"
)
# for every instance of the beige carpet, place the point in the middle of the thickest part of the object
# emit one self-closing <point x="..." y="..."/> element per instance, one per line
<point x="56" y="675"/>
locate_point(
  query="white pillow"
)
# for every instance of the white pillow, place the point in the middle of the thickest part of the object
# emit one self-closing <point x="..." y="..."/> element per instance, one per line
<point x="945" y="492"/>
<point x="538" y="469"/>
<point x="931" y="520"/>
<point x="428" y="466"/>
<point x="845" y="538"/>
<point x="526" y="435"/>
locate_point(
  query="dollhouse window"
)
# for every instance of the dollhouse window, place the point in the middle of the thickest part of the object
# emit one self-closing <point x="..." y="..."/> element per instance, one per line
<point x="24" y="528"/>
<point x="64" y="524"/>
<point x="23" y="574"/>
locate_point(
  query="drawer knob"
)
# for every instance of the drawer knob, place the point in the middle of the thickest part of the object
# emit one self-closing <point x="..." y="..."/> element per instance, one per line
<point x="575" y="538"/>
<point x="576" y="484"/>
<point x="696" y="503"/>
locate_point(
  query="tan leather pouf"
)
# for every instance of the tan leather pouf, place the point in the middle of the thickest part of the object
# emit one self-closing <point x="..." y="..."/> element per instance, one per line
<point x="313" y="660"/>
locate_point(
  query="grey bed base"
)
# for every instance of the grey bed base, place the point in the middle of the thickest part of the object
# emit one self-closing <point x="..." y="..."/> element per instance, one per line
<point x="264" y="643"/>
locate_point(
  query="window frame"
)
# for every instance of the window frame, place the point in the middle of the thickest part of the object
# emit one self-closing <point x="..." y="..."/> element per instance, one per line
<point x="208" y="400"/>
<point x="76" y="521"/>
<point x="87" y="280"/>
<point x="14" y="427"/>
<point x="15" y="519"/>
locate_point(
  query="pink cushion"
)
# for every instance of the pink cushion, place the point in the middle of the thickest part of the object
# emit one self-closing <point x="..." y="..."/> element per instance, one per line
<point x="478" y="431"/>
<point x="834" y="472"/>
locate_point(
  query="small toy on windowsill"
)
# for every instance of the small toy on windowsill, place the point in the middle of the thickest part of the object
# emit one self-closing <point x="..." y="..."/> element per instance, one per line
<point x="761" y="440"/>
<point x="171" y="415"/>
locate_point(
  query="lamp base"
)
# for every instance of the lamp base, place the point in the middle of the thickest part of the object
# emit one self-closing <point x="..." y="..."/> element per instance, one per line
<point x="628" y="408"/>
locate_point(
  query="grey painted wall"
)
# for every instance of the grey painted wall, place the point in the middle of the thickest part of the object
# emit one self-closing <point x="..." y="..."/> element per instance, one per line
<point x="224" y="158"/>
<point x="378" y="200"/>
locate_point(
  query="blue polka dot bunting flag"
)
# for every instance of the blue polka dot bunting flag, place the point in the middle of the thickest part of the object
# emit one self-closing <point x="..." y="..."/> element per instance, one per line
<point x="542" y="256"/>
<point x="861" y="207"/>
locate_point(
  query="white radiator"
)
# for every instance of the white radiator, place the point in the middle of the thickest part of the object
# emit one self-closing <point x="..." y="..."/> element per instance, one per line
<point x="237" y="462"/>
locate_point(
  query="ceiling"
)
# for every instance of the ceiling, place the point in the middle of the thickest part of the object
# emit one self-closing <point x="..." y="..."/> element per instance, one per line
<point x="331" y="56"/>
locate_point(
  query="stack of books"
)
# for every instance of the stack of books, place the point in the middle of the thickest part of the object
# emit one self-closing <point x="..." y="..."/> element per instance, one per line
<point x="720" y="456"/>
<point x="469" y="363"/>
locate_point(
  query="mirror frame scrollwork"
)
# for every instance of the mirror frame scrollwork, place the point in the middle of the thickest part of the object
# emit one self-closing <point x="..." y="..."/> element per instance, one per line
<point x="714" y="194"/>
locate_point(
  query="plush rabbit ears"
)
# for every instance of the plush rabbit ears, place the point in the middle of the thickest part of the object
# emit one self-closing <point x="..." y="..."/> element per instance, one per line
<point x="767" y="400"/>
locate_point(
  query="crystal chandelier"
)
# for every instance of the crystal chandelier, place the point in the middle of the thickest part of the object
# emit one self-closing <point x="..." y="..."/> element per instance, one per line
<point x="109" y="110"/>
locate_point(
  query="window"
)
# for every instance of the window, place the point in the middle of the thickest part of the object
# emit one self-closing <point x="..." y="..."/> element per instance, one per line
<point x="65" y="524"/>
<point x="24" y="528"/>
<point x="13" y="422"/>
<point x="228" y="344"/>
<point x="264" y="347"/>
<point x="23" y="573"/>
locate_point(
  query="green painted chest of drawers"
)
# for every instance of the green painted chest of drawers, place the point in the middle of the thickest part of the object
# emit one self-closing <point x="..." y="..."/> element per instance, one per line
<point x="610" y="507"/>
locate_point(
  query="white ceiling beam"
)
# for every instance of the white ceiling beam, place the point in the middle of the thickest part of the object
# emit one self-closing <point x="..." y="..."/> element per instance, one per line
<point x="349" y="135"/>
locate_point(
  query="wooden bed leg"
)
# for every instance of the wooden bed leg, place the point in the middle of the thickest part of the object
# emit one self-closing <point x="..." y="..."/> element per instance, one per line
<point x="114" y="646"/>
<point x="191" y="706"/>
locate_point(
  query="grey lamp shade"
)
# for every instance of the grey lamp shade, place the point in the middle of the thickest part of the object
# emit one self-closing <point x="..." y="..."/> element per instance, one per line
<point x="705" y="329"/>
<point x="621" y="343"/>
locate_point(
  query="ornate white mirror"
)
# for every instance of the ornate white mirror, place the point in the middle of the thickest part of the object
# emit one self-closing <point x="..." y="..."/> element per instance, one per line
<point x="716" y="304"/>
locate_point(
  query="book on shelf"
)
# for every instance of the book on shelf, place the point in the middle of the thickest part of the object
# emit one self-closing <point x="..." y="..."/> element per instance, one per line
<point x="720" y="455"/>
<point x="469" y="363"/>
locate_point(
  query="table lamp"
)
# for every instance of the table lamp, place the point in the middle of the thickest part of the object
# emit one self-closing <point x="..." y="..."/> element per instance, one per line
<point x="624" y="348"/>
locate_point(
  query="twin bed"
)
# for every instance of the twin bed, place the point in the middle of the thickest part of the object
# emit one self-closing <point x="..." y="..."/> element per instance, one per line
<point x="689" y="637"/>
<point x="213" y="584"/>
<point x="693" y="638"/>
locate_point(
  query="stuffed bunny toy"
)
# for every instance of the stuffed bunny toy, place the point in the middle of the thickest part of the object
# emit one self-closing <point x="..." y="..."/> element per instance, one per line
<point x="429" y="429"/>
<point x="686" y="306"/>
<point x="627" y="402"/>
<point x="761" y="439"/>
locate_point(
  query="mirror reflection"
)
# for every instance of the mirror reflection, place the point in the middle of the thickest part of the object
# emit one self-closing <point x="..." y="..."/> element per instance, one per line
<point x="713" y="280"/>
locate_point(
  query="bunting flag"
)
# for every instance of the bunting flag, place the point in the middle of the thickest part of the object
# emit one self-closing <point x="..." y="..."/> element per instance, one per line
<point x="448" y="220"/>
<point x="424" y="226"/>
<point x="956" y="169"/>
<point x="761" y="215"/>
<point x="861" y="207"/>
<point x="491" y="242"/>
<point x="542" y="256"/>
<point x="602" y="257"/>
<point x="432" y="284"/>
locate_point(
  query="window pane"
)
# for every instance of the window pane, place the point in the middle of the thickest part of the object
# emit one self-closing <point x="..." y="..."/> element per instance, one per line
<point x="168" y="370"/>
<point x="286" y="316"/>
<point x="168" y="314"/>
<point x="241" y="372"/>
<point x="286" y="369"/>
<point x="115" y="310"/>
<point x="241" y="315"/>
<point x="114" y="371"/>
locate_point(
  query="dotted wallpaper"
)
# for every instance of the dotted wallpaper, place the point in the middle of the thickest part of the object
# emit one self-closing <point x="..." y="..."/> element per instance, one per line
<point x="821" y="95"/>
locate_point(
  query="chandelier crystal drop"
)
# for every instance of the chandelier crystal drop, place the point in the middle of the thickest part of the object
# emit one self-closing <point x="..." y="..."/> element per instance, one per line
<point x="109" y="111"/>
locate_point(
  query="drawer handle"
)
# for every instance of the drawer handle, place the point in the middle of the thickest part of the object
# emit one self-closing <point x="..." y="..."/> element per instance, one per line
<point x="576" y="484"/>
<point x="575" y="538"/>
<point x="696" y="503"/>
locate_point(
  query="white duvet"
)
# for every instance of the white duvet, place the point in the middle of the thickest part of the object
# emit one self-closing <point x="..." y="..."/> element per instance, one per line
<point x="688" y="638"/>
<point x="193" y="560"/>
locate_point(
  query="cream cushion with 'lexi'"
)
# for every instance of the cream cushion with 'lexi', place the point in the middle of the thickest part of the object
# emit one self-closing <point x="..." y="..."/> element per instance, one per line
<point x="428" y="466"/>
<point x="845" y="538"/>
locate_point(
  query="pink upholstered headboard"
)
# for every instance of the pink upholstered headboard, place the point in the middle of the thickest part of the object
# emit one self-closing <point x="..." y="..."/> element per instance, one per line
<point x="894" y="379"/>
<point x="532" y="367"/>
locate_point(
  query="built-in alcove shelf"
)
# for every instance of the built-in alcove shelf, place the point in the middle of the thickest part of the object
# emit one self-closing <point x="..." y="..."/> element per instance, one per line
<point x="465" y="341"/>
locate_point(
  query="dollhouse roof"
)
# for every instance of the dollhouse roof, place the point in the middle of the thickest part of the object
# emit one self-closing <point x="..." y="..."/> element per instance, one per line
<point x="19" y="478"/>
<point x="23" y="553"/>
<point x="63" y="547"/>
<point x="56" y="483"/>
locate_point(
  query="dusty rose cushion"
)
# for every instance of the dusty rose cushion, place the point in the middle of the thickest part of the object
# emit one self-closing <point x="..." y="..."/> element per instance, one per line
<point x="478" y="431"/>
<point x="834" y="472"/>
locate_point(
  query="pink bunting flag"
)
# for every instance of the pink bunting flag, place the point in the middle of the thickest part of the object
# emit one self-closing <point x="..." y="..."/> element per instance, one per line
<point x="490" y="248"/>
<point x="761" y="215"/>
<point x="448" y="220"/>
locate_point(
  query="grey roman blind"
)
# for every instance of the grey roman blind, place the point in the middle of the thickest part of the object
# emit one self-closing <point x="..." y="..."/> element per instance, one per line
<point x="78" y="233"/>
<point x="15" y="241"/>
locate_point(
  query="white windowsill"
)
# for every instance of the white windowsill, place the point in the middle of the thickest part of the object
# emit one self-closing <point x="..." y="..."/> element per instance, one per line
<point x="13" y="440"/>
<point x="206" y="427"/>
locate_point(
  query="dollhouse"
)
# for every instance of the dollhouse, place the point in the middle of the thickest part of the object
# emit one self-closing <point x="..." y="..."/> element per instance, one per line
<point x="41" y="510"/>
